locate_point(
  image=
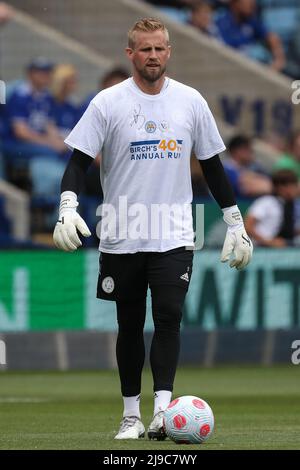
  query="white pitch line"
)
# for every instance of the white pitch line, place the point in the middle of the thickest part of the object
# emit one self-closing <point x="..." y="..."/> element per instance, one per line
<point x="23" y="400"/>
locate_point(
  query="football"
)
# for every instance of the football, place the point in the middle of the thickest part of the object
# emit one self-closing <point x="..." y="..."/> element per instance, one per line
<point x="188" y="420"/>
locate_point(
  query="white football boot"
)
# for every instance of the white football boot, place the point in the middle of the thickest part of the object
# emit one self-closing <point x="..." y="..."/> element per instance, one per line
<point x="131" y="428"/>
<point x="156" y="428"/>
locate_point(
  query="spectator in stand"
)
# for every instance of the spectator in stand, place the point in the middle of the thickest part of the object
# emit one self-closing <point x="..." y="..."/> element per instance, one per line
<point x="241" y="28"/>
<point x="248" y="178"/>
<point x="202" y="18"/>
<point x="274" y="220"/>
<point x="65" y="112"/>
<point x="291" y="159"/>
<point x="31" y="135"/>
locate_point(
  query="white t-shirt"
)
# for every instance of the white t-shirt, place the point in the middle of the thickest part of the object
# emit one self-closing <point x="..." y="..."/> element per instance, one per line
<point x="268" y="211"/>
<point x="146" y="143"/>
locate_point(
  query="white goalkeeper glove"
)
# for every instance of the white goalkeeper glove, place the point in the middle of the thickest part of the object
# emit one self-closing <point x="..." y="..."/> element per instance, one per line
<point x="236" y="241"/>
<point x="65" y="234"/>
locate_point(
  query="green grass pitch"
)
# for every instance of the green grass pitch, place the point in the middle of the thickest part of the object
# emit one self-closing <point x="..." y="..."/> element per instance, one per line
<point x="254" y="408"/>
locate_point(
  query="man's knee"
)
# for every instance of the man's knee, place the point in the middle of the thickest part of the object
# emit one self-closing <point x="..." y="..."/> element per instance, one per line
<point x="131" y="316"/>
<point x="167" y="309"/>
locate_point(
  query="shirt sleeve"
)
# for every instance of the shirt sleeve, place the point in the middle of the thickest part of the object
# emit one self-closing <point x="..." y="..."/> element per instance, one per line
<point x="207" y="140"/>
<point x="89" y="133"/>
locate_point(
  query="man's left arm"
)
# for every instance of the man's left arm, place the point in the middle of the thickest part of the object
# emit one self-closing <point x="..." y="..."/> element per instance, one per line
<point x="236" y="240"/>
<point x="274" y="43"/>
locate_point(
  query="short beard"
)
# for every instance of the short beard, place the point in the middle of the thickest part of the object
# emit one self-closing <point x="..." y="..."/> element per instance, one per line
<point x="149" y="77"/>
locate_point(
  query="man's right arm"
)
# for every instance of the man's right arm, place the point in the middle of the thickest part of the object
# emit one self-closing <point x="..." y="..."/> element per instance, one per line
<point x="88" y="135"/>
<point x="65" y="234"/>
<point x="73" y="179"/>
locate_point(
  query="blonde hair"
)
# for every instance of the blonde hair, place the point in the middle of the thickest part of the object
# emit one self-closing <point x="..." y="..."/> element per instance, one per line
<point x="146" y="25"/>
<point x="61" y="73"/>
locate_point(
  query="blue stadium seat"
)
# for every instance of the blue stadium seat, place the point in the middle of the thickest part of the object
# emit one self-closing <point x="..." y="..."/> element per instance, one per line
<point x="281" y="17"/>
<point x="180" y="15"/>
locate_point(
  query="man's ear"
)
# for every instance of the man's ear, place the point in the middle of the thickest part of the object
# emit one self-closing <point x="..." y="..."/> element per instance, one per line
<point x="169" y="49"/>
<point x="129" y="52"/>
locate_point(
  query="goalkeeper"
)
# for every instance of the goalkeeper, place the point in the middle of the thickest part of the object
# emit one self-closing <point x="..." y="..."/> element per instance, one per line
<point x="146" y="128"/>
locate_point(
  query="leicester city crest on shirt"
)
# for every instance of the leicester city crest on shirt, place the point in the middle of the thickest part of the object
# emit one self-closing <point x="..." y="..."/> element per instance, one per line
<point x="150" y="127"/>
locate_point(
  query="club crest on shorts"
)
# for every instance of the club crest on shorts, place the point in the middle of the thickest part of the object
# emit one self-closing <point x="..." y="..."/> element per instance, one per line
<point x="150" y="127"/>
<point x="108" y="284"/>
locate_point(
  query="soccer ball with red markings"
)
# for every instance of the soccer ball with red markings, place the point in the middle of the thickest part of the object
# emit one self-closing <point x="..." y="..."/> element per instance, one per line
<point x="188" y="420"/>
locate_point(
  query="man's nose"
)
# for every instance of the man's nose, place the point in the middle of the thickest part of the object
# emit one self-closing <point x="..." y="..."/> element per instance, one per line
<point x="153" y="53"/>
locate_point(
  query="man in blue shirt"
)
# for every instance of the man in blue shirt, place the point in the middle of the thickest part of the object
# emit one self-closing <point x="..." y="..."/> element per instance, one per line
<point x="29" y="113"/>
<point x="31" y="137"/>
<point x="240" y="28"/>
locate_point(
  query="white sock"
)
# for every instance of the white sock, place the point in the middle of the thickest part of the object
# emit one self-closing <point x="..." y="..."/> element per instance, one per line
<point x="132" y="406"/>
<point x="162" y="400"/>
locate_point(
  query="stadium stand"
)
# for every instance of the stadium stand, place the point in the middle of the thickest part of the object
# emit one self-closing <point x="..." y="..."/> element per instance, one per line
<point x="39" y="40"/>
<point x="179" y="10"/>
<point x="252" y="98"/>
<point x="46" y="33"/>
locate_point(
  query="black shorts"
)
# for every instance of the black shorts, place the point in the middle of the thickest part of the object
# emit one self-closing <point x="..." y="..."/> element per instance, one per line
<point x="127" y="276"/>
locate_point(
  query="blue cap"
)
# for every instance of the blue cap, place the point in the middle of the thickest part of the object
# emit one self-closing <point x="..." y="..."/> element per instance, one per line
<point x="40" y="63"/>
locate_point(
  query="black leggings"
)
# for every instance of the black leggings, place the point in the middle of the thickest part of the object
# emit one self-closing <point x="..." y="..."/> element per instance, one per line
<point x="167" y="303"/>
